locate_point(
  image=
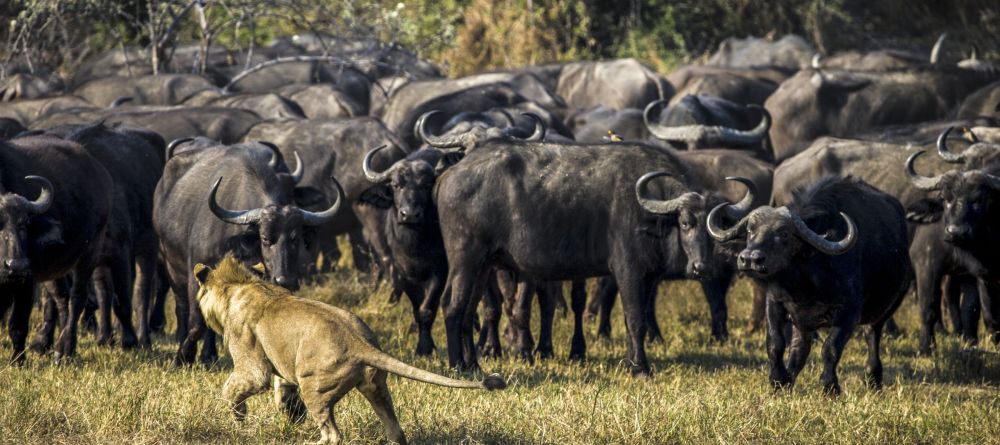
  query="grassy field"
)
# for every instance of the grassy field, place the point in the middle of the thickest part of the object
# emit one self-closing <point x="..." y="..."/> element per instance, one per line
<point x="700" y="393"/>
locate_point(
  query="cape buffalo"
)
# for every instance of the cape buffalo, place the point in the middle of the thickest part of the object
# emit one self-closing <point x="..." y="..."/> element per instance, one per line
<point x="834" y="257"/>
<point x="616" y="84"/>
<point x="334" y="148"/>
<point x="193" y="218"/>
<point x="134" y="159"/>
<point x="226" y="125"/>
<point x="576" y="217"/>
<point x="55" y="199"/>
<point x="161" y="89"/>
<point x="790" y="52"/>
<point x="814" y="103"/>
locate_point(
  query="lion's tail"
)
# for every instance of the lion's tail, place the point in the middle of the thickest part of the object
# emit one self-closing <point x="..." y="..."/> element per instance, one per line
<point x="385" y="362"/>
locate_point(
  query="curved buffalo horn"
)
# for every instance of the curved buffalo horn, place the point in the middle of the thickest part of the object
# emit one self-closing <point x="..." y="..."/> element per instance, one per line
<point x="44" y="200"/>
<point x="711" y="135"/>
<point x="275" y="153"/>
<point x="241" y="217"/>
<point x="816" y="62"/>
<point x="317" y="218"/>
<point x="936" y="50"/>
<point x="173" y="144"/>
<point x="539" y="133"/>
<point x="299" y="168"/>
<point x="372" y="175"/>
<point x="820" y="242"/>
<point x="661" y="207"/>
<point x="737" y="211"/>
<point x="436" y="141"/>
<point x="942" y="147"/>
<point x="921" y="182"/>
<point x="743" y="207"/>
<point x="716" y="231"/>
<point x="120" y="100"/>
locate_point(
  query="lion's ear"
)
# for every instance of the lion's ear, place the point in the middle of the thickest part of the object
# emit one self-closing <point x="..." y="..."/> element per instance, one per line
<point x="260" y="268"/>
<point x="201" y="272"/>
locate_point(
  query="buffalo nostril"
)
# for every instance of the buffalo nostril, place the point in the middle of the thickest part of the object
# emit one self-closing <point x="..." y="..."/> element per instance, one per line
<point x="698" y="267"/>
<point x="955" y="230"/>
<point x="282" y="281"/>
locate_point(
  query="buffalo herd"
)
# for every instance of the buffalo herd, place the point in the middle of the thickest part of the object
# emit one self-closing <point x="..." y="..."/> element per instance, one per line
<point x="806" y="173"/>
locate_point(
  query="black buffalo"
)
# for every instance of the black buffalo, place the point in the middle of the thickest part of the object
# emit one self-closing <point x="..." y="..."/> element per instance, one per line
<point x="834" y="257"/>
<point x="576" y="217"/>
<point x="134" y="159"/>
<point x="194" y="222"/>
<point x="55" y="203"/>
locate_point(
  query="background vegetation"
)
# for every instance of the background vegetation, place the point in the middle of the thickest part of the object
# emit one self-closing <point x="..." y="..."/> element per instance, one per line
<point x="473" y="35"/>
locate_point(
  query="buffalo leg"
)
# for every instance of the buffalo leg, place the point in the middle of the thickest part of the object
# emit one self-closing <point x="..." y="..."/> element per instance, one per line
<point x="142" y="294"/>
<point x="833" y="348"/>
<point x="777" y="316"/>
<point x="928" y="283"/>
<point x="82" y="275"/>
<point x="50" y="314"/>
<point x="548" y="296"/>
<point x="715" y="294"/>
<point x="970" y="309"/>
<point x="634" y="290"/>
<point x="489" y="335"/>
<point x="952" y="298"/>
<point x="157" y="310"/>
<point x="104" y="290"/>
<point x="462" y="283"/>
<point x="989" y="297"/>
<point x="520" y="318"/>
<point x="873" y="368"/>
<point x="121" y="277"/>
<point x="21" y="296"/>
<point x="800" y="348"/>
<point x="578" y="301"/>
<point x="360" y="250"/>
<point x="607" y="292"/>
<point x="195" y="325"/>
<point x="653" y="332"/>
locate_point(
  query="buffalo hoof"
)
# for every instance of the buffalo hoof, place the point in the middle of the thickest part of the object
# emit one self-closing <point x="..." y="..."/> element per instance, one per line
<point x="925" y="350"/>
<point x="41" y="345"/>
<point x="654" y="339"/>
<point x="832" y="389"/>
<point x="525" y="355"/>
<point x="490" y="350"/>
<point x="17" y="359"/>
<point x="780" y="379"/>
<point x="129" y="342"/>
<point x="467" y="367"/>
<point x="640" y="372"/>
<point x="577" y="356"/>
<point x="544" y="353"/>
<point x="424" y="350"/>
<point x="145" y="343"/>
<point x="105" y="340"/>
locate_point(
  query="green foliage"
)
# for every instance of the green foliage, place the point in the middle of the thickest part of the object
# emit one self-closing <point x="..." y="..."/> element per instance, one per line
<point x="475" y="35"/>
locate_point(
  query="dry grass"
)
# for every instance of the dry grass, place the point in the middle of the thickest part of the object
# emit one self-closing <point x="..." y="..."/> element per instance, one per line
<point x="701" y="392"/>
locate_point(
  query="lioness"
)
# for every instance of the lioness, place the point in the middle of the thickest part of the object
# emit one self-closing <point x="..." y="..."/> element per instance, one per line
<point x="325" y="350"/>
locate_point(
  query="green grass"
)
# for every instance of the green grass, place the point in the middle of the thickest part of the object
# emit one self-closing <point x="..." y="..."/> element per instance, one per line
<point x="700" y="393"/>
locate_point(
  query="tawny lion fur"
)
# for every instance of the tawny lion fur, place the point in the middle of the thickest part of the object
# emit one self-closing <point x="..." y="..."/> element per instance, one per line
<point x="324" y="350"/>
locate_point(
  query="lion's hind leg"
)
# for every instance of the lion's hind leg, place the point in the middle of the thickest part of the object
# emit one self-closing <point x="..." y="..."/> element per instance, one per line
<point x="320" y="395"/>
<point x="377" y="392"/>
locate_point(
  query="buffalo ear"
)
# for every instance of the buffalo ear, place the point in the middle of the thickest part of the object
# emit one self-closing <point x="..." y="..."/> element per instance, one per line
<point x="925" y="211"/>
<point x="201" y="272"/>
<point x="379" y="196"/>
<point x="307" y="197"/>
